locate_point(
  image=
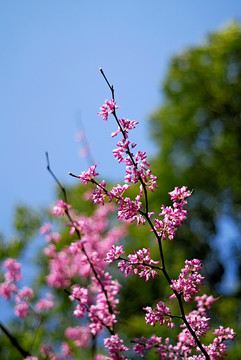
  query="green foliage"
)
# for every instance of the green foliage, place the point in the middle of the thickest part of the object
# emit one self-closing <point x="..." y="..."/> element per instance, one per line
<point x="198" y="130"/>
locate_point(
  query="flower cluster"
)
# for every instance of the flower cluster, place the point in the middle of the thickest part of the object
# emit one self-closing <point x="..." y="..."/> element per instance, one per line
<point x="188" y="281"/>
<point x="137" y="169"/>
<point x="60" y="208"/>
<point x="172" y="216"/>
<point x="114" y="253"/>
<point x="115" y="346"/>
<point x="160" y="314"/>
<point x="139" y="263"/>
<point x="22" y="296"/>
<point x="87" y="176"/>
<point x="108" y="108"/>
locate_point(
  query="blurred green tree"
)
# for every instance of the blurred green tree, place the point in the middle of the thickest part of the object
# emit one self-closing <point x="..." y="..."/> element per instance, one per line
<point x="198" y="133"/>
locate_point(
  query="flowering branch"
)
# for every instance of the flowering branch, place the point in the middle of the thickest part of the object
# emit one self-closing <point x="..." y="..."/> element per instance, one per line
<point x="137" y="170"/>
<point x="66" y="210"/>
<point x="88" y="255"/>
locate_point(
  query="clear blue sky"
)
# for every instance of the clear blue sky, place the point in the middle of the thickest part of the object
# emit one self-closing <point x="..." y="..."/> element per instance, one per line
<point x="50" y="55"/>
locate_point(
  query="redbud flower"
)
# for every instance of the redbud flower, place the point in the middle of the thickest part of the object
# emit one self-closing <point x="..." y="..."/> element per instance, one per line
<point x="115" y="346"/>
<point x="107" y="109"/>
<point x="87" y="176"/>
<point x="188" y="280"/>
<point x="160" y="314"/>
<point x="114" y="253"/>
<point x="60" y="208"/>
<point x="79" y="334"/>
<point x="138" y="264"/>
<point x="45" y="303"/>
<point x="45" y="228"/>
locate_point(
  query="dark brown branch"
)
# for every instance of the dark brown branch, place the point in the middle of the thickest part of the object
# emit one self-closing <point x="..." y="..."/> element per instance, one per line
<point x="14" y="341"/>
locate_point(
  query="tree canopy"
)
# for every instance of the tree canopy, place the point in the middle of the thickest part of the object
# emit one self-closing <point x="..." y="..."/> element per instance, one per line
<point x="198" y="133"/>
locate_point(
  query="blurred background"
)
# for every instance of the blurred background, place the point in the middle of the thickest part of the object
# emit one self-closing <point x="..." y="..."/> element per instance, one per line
<point x="176" y="68"/>
<point x="51" y="87"/>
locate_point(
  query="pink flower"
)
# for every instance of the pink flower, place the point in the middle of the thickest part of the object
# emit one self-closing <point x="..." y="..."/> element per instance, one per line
<point x="87" y="176"/>
<point x="186" y="285"/>
<point x="54" y="237"/>
<point x="80" y="335"/>
<point x="60" y="208"/>
<point x="114" y="253"/>
<point x="108" y="108"/>
<point x="45" y="229"/>
<point x="13" y="274"/>
<point x="21" y="309"/>
<point x="128" y="124"/>
<point x="115" y="346"/>
<point x="160" y="314"/>
<point x="45" y="303"/>
<point x="7" y="289"/>
<point x="140" y="263"/>
<point x="65" y="350"/>
<point x="25" y="293"/>
<point x="99" y="194"/>
<point x="204" y="302"/>
<point x="180" y="194"/>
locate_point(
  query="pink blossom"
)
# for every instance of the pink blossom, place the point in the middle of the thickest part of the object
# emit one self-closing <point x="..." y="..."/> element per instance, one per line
<point x="50" y="250"/>
<point x="122" y="150"/>
<point x="45" y="229"/>
<point x="101" y="357"/>
<point x="129" y="210"/>
<point x="54" y="237"/>
<point x="47" y="352"/>
<point x="114" y="253"/>
<point x="65" y="350"/>
<point x="21" y="309"/>
<point x="80" y="335"/>
<point x="180" y="193"/>
<point x="128" y="124"/>
<point x="115" y="346"/>
<point x="186" y="285"/>
<point x="45" y="303"/>
<point x="144" y="344"/>
<point x="7" y="289"/>
<point x="31" y="358"/>
<point x="60" y="208"/>
<point x="204" y="302"/>
<point x="25" y="293"/>
<point x="80" y="294"/>
<point x="87" y="176"/>
<point x="139" y="263"/>
<point x="160" y="314"/>
<point x="13" y="274"/>
<point x="117" y="191"/>
<point x="108" y="108"/>
<point x="99" y="194"/>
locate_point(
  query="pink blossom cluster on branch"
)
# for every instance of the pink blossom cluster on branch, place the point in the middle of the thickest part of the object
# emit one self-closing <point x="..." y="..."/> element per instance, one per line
<point x="80" y="268"/>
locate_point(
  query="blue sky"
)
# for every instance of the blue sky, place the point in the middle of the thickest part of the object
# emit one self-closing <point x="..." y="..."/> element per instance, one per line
<point x="50" y="85"/>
